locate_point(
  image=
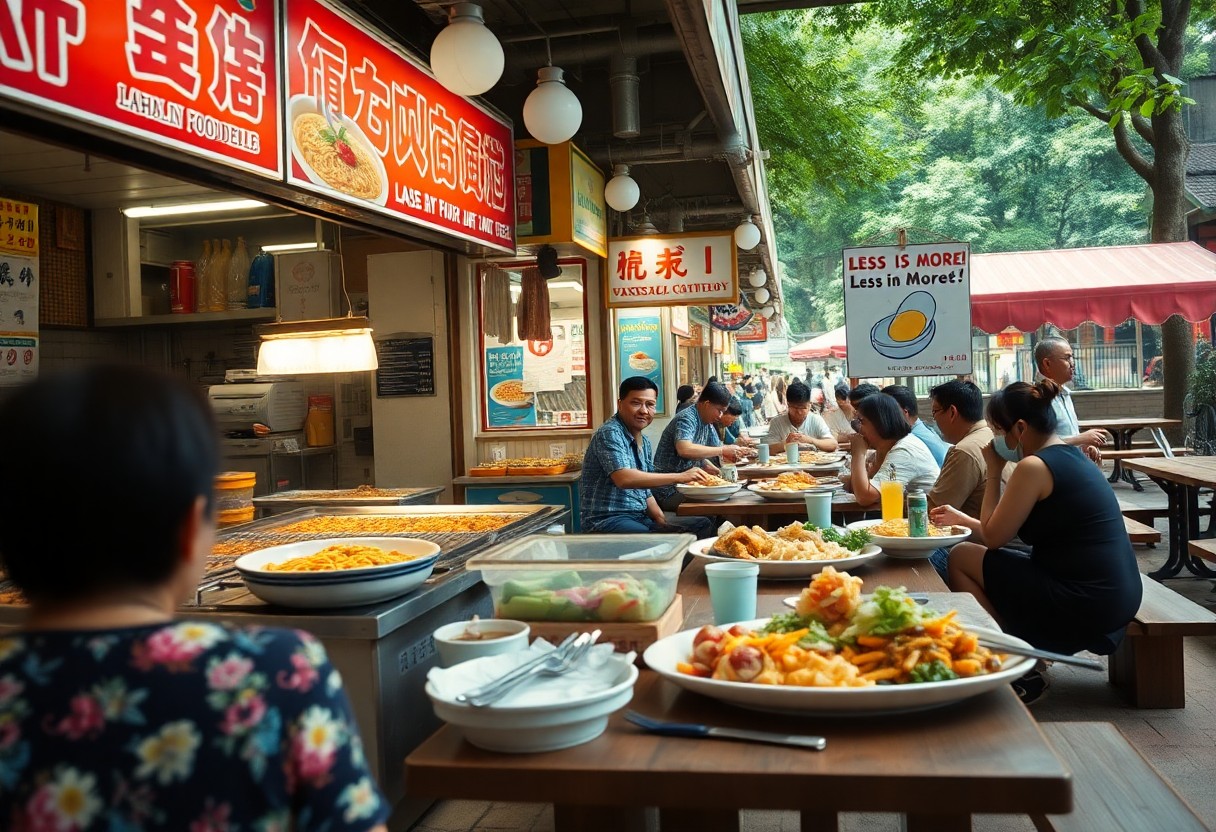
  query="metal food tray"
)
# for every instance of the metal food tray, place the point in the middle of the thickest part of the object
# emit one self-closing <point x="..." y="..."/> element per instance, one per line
<point x="289" y="500"/>
<point x="455" y="547"/>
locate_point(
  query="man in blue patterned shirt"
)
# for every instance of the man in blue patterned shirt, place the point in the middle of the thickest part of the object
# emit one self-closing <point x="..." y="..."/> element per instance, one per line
<point x="690" y="441"/>
<point x="618" y="472"/>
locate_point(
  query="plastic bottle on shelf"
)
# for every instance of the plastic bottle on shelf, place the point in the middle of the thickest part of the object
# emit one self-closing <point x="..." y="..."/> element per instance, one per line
<point x="261" y="281"/>
<point x="218" y="295"/>
<point x="201" y="285"/>
<point x="237" y="280"/>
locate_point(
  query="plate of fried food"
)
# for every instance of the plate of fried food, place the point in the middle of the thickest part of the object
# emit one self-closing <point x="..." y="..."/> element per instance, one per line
<point x="793" y="485"/>
<point x="840" y="653"/>
<point x="713" y="488"/>
<point x="796" y="552"/>
<point x="893" y="536"/>
<point x="338" y="572"/>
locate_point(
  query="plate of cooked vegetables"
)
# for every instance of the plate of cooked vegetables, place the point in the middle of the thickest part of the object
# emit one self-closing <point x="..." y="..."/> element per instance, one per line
<point x="795" y="552"/>
<point x="893" y="536"/>
<point x="840" y="653"/>
<point x="338" y="572"/>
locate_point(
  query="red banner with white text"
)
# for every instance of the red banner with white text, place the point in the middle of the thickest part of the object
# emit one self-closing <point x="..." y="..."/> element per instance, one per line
<point x="195" y="75"/>
<point x="369" y="125"/>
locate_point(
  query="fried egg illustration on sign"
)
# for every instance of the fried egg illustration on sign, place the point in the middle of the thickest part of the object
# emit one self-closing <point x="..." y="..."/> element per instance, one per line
<point x="908" y="330"/>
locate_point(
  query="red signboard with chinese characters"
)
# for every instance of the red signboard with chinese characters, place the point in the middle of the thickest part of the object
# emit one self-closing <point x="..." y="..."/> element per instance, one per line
<point x="369" y="125"/>
<point x="195" y="75"/>
<point x="753" y="331"/>
<point x="691" y="269"/>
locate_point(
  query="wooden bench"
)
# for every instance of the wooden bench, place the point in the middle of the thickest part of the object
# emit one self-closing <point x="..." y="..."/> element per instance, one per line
<point x="1205" y="549"/>
<point x="1141" y="532"/>
<point x="1147" y="667"/>
<point x="1113" y="786"/>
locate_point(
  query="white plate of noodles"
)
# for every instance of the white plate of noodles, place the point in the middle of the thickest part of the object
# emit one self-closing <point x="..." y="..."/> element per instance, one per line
<point x="323" y="165"/>
<point x="910" y="548"/>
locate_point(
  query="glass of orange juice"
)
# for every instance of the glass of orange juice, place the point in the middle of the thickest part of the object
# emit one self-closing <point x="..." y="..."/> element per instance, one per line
<point x="892" y="492"/>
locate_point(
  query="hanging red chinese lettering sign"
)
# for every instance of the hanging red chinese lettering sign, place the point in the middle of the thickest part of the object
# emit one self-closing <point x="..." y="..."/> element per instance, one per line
<point x="691" y="269"/>
<point x="369" y="125"/>
<point x="195" y="75"/>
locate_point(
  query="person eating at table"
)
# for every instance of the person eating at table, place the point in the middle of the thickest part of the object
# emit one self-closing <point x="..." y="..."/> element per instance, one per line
<point x="1079" y="585"/>
<point x="799" y="424"/>
<point x="618" y="471"/>
<point x="838" y="417"/>
<point x="906" y="400"/>
<point x="1053" y="358"/>
<point x="957" y="408"/>
<point x="729" y="427"/>
<point x="898" y="455"/>
<point x="690" y="441"/>
<point x="114" y="713"/>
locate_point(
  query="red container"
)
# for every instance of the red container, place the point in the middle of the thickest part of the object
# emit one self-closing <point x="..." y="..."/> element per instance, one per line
<point x="181" y="286"/>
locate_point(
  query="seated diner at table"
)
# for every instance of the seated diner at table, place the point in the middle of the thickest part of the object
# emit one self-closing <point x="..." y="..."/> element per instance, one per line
<point x="618" y="471"/>
<point x="115" y="715"/>
<point x="906" y="400"/>
<point x="1079" y="585"/>
<point x="838" y="417"/>
<point x="898" y="455"/>
<point x="799" y="424"/>
<point x="730" y="428"/>
<point x="690" y="440"/>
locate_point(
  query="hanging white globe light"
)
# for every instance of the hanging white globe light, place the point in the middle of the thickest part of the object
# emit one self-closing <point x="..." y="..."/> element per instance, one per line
<point x="747" y="235"/>
<point x="466" y="57"/>
<point x="552" y="113"/>
<point x="766" y="311"/>
<point x="757" y="278"/>
<point x="621" y="193"/>
<point x="761" y="295"/>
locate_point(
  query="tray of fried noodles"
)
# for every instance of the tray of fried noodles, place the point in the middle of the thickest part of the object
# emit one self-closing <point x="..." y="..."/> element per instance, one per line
<point x="839" y="652"/>
<point x="795" y="552"/>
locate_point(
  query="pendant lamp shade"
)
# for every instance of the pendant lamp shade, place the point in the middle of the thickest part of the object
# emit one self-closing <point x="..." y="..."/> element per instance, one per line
<point x="757" y="278"/>
<point x="621" y="193"/>
<point x="465" y="56"/>
<point x="761" y="295"/>
<point x="552" y="113"/>
<point x="338" y="345"/>
<point x="747" y="235"/>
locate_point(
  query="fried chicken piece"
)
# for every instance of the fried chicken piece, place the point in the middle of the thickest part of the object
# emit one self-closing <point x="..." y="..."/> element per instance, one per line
<point x="744" y="543"/>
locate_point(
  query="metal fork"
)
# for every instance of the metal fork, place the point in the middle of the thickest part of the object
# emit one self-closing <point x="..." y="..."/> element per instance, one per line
<point x="555" y="663"/>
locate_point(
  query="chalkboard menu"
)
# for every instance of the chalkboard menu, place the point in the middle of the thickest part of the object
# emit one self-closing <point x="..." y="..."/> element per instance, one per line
<point x="407" y="366"/>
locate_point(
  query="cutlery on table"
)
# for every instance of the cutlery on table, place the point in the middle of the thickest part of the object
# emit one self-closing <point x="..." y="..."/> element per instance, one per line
<point x="1035" y="653"/>
<point x="695" y="730"/>
<point x="556" y="662"/>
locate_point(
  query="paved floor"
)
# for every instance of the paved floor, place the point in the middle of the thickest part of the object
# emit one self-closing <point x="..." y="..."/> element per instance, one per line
<point x="1181" y="744"/>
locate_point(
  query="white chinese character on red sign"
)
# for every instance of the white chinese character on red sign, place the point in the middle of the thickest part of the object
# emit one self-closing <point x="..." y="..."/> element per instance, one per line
<point x="443" y="147"/>
<point x="471" y="180"/>
<point x="410" y="134"/>
<point x="373" y="113"/>
<point x="494" y="157"/>
<point x="37" y="35"/>
<point x="239" y="85"/>
<point x="324" y="61"/>
<point x="162" y="44"/>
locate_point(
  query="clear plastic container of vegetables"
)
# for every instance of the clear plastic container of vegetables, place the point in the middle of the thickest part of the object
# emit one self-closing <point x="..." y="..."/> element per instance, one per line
<point x="602" y="577"/>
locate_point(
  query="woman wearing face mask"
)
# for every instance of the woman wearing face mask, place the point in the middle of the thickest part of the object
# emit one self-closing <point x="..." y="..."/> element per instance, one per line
<point x="1079" y="585"/>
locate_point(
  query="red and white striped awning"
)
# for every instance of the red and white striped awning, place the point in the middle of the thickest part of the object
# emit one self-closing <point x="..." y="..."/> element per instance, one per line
<point x="1105" y="285"/>
<point x="827" y="345"/>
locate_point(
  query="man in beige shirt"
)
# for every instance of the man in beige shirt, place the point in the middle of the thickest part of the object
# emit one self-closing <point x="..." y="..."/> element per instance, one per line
<point x="958" y="410"/>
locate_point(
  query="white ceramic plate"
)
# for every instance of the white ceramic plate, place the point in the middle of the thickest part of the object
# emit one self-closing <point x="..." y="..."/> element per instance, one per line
<point x="527" y="402"/>
<point x="302" y="104"/>
<point x="708" y="492"/>
<point x="665" y="654"/>
<point x="786" y="570"/>
<point x="792" y="496"/>
<point x="912" y="548"/>
<point x="337" y="588"/>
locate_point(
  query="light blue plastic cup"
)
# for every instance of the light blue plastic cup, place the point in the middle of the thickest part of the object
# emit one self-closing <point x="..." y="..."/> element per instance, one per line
<point x="819" y="508"/>
<point x="732" y="591"/>
<point x="762" y="454"/>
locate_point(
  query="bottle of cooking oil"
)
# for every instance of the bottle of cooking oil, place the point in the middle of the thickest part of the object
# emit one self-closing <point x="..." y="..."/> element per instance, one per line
<point x="237" y="278"/>
<point x="218" y="295"/>
<point x="202" y="287"/>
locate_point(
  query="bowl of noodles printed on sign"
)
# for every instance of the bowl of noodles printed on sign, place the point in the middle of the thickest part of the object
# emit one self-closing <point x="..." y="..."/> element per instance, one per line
<point x="908" y="310"/>
<point x="334" y="152"/>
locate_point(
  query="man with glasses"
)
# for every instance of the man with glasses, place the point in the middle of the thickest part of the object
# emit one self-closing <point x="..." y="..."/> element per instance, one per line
<point x="799" y="424"/>
<point x="618" y="472"/>
<point x="1054" y="359"/>
<point x="690" y="440"/>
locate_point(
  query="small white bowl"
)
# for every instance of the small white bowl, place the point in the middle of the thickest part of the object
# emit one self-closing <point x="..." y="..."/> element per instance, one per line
<point x="454" y="650"/>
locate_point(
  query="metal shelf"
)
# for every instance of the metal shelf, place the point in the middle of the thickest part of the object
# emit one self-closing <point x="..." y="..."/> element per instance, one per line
<point x="264" y="314"/>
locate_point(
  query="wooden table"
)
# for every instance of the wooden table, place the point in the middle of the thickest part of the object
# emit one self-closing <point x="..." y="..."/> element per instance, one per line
<point x="746" y="508"/>
<point x="1180" y="478"/>
<point x="1122" y="430"/>
<point x="983" y="755"/>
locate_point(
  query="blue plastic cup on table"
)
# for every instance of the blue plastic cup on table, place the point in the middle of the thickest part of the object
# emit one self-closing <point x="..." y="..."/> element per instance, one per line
<point x="762" y="454"/>
<point x="732" y="591"/>
<point x="819" y="508"/>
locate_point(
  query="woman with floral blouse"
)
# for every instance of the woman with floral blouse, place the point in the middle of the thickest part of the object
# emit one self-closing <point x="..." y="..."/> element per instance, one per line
<point x="115" y="716"/>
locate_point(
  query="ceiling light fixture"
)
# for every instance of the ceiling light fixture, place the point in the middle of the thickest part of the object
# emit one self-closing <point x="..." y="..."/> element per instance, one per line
<point x="567" y="284"/>
<point x="622" y="192"/>
<point x="330" y="345"/>
<point x="761" y="295"/>
<point x="766" y="311"/>
<point x="192" y="208"/>
<point x="465" y="56"/>
<point x="747" y="235"/>
<point x="757" y="278"/>
<point x="291" y="247"/>
<point x="552" y="113"/>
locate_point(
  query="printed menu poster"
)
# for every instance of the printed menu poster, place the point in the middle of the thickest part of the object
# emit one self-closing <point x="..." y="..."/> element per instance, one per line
<point x="639" y="346"/>
<point x="18" y="319"/>
<point x="509" y="405"/>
